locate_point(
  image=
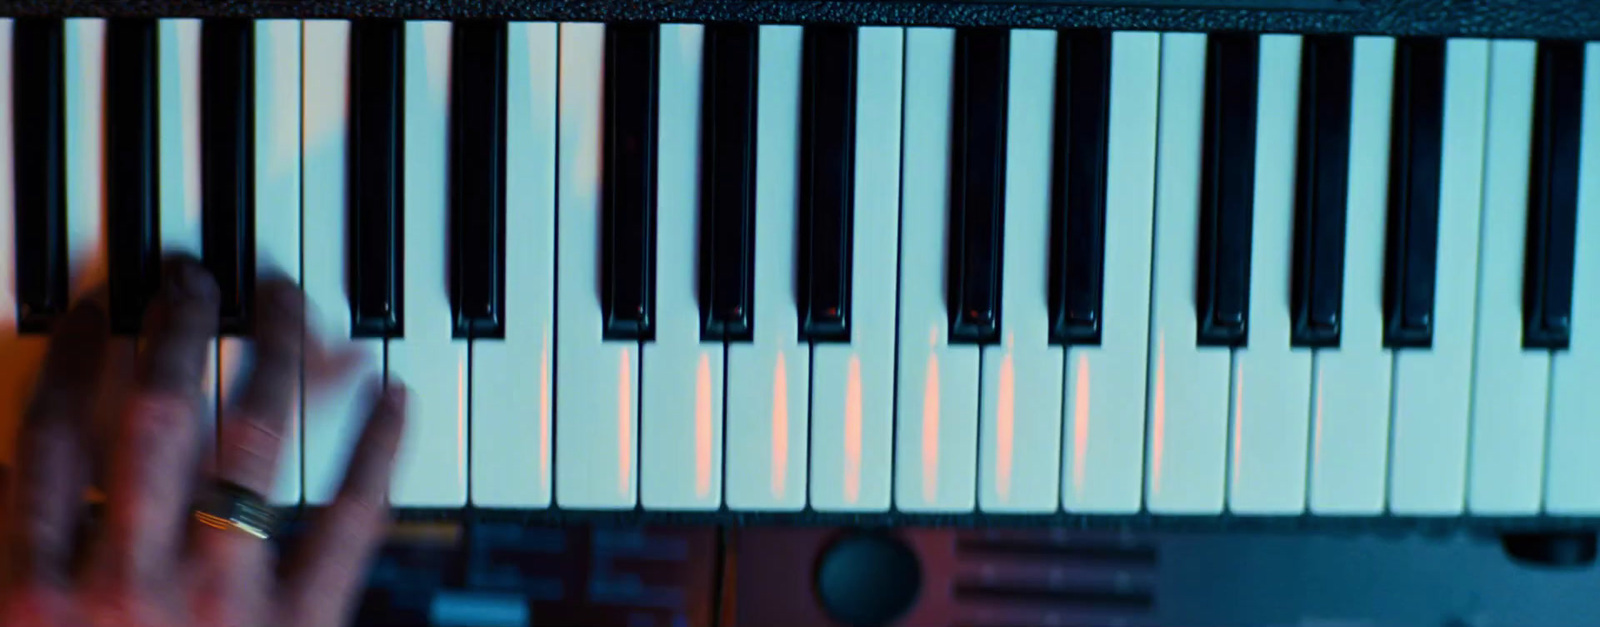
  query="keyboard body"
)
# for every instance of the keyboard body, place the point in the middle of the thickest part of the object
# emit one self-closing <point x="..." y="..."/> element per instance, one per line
<point x="1320" y="264"/>
<point x="508" y="574"/>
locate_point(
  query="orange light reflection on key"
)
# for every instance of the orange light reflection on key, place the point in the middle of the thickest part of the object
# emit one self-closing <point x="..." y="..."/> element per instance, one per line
<point x="624" y="422"/>
<point x="852" y="432"/>
<point x="1005" y="415"/>
<point x="930" y="423"/>
<point x="702" y="427"/>
<point x="780" y="426"/>
<point x="1080" y="425"/>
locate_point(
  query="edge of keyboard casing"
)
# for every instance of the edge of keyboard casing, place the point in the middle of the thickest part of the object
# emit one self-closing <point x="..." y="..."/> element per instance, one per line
<point x="1542" y="19"/>
<point x="1382" y="524"/>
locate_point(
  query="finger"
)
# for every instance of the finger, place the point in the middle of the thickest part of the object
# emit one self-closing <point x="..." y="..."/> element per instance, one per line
<point x="52" y="465"/>
<point x="329" y="366"/>
<point x="179" y="326"/>
<point x="153" y="456"/>
<point x="252" y="432"/>
<point x="323" y="576"/>
<point x="329" y="363"/>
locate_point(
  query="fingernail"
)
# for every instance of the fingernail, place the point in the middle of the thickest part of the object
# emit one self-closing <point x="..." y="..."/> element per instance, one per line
<point x="188" y="281"/>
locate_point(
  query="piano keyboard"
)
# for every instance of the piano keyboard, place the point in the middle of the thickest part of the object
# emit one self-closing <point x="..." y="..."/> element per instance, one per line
<point x="858" y="269"/>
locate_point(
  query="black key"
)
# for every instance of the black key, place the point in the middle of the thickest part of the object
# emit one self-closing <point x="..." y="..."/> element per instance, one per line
<point x="1227" y="190"/>
<point x="977" y="185"/>
<point x="227" y="144"/>
<point x="477" y="179"/>
<point x="1317" y="293"/>
<point x="132" y="212"/>
<point x="727" y="184"/>
<point x="132" y="171"/>
<point x="1078" y="186"/>
<point x="376" y="150"/>
<point x="1412" y="233"/>
<point x="1553" y="197"/>
<point x="628" y="212"/>
<point x="827" y="182"/>
<point x="38" y="103"/>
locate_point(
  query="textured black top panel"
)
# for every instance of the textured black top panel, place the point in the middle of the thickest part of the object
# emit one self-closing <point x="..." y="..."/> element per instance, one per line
<point x="1566" y="19"/>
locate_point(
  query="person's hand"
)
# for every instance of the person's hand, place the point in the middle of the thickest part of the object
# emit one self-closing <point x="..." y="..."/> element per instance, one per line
<point x="148" y="562"/>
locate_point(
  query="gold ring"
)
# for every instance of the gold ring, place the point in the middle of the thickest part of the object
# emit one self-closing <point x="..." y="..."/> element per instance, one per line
<point x="229" y="506"/>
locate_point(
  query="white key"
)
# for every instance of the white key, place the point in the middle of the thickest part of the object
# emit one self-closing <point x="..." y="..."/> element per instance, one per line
<point x="1103" y="444"/>
<point x="1510" y="385"/>
<point x="597" y="412"/>
<point x="1350" y="410"/>
<point x="1509" y="391"/>
<point x="431" y="470"/>
<point x="852" y="386"/>
<point x="1270" y="414"/>
<point x="769" y="378"/>
<point x="333" y="419"/>
<point x="680" y="439"/>
<point x="1188" y="383"/>
<point x="1572" y="465"/>
<point x="1019" y="458"/>
<point x="178" y="149"/>
<point x="178" y="143"/>
<point x="84" y="48"/>
<point x="1433" y="387"/>
<point x="937" y="416"/>
<point x="511" y="377"/>
<point x="277" y="165"/>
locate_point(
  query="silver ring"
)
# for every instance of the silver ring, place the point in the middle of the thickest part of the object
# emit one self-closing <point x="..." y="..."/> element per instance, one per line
<point x="230" y="506"/>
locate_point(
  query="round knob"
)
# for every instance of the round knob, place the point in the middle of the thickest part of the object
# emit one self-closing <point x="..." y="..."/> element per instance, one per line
<point x="865" y="579"/>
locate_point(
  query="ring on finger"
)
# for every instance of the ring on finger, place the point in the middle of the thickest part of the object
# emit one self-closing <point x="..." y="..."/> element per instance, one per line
<point x="229" y="506"/>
